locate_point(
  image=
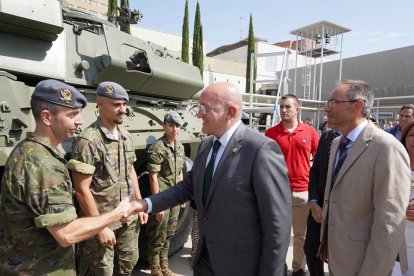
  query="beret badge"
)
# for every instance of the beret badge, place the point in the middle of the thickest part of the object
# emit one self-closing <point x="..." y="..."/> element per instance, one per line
<point x="66" y="96"/>
<point x="109" y="90"/>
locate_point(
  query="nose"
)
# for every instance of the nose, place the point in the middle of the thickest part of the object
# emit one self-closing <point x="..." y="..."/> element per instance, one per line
<point x="200" y="114"/>
<point x="325" y="108"/>
<point x="79" y="120"/>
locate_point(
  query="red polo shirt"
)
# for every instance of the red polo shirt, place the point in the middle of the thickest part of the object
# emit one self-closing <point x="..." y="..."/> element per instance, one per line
<point x="297" y="147"/>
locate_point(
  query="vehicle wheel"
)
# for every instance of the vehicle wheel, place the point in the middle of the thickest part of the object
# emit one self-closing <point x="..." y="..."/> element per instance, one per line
<point x="185" y="218"/>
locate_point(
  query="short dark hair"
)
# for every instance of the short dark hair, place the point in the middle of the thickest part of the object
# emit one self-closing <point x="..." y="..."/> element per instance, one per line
<point x="407" y="106"/>
<point x="38" y="106"/>
<point x="290" y="96"/>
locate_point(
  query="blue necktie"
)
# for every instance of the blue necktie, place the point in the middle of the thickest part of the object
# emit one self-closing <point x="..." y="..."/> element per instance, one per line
<point x="343" y="153"/>
<point x="208" y="175"/>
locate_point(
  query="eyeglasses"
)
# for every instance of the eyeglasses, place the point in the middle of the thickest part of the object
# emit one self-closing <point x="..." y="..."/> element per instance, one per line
<point x="332" y="103"/>
<point x="203" y="108"/>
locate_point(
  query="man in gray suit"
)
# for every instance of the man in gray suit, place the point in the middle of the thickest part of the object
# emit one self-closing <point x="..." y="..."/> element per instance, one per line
<point x="244" y="214"/>
<point x="367" y="188"/>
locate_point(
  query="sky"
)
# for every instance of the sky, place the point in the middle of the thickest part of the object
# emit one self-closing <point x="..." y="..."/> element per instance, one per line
<point x="375" y="25"/>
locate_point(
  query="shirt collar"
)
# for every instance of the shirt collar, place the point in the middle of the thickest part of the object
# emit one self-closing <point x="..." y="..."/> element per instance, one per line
<point x="225" y="138"/>
<point x="354" y="134"/>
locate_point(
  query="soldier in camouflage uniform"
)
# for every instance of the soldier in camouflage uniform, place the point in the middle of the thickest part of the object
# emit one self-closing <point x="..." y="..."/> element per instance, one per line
<point x="103" y="174"/>
<point x="165" y="165"/>
<point x="38" y="220"/>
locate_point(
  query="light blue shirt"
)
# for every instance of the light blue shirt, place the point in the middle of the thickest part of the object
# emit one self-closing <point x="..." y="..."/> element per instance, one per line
<point x="224" y="140"/>
<point x="352" y="136"/>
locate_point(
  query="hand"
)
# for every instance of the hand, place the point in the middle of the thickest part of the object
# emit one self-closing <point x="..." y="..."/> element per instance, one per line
<point x="410" y="211"/>
<point x="143" y="217"/>
<point x="160" y="216"/>
<point x="316" y="211"/>
<point x="323" y="253"/>
<point x="137" y="205"/>
<point x="125" y="205"/>
<point x="106" y="237"/>
<point x="183" y="205"/>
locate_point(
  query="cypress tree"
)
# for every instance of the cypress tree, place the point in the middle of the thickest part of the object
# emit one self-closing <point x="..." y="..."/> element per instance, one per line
<point x="112" y="11"/>
<point x="125" y="27"/>
<point x="250" y="49"/>
<point x="197" y="43"/>
<point x="185" y="42"/>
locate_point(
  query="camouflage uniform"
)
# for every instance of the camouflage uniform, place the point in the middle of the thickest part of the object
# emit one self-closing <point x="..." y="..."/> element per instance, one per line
<point x="97" y="152"/>
<point x="169" y="164"/>
<point x="36" y="192"/>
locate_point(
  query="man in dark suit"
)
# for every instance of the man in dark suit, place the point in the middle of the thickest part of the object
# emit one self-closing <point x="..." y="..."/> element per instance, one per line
<point x="405" y="116"/>
<point x="317" y="182"/>
<point x="245" y="214"/>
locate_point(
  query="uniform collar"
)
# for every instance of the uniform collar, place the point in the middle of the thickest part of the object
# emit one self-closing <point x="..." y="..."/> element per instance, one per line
<point x="108" y="134"/>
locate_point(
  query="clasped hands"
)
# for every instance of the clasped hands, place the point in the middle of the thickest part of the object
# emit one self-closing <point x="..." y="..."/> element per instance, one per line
<point x="127" y="208"/>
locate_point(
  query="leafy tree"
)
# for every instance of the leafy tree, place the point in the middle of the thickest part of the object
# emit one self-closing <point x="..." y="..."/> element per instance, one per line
<point x="185" y="42"/>
<point x="198" y="55"/>
<point x="250" y="49"/>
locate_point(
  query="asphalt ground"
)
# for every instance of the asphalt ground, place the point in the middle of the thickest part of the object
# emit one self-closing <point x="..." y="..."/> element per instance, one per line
<point x="180" y="262"/>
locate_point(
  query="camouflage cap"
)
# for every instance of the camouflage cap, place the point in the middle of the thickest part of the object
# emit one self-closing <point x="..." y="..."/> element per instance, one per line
<point x="60" y="93"/>
<point x="112" y="90"/>
<point x="173" y="117"/>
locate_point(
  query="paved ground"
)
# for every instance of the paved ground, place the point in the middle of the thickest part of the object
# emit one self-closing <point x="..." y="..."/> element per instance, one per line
<point x="180" y="262"/>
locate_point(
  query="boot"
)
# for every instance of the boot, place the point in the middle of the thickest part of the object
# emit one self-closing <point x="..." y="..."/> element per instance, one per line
<point x="165" y="270"/>
<point x="156" y="270"/>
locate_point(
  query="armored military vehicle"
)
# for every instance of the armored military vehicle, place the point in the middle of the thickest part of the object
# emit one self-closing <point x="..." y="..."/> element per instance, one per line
<point x="41" y="39"/>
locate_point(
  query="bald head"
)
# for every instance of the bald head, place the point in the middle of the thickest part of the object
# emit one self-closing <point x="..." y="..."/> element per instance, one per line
<point x="220" y="108"/>
<point x="225" y="93"/>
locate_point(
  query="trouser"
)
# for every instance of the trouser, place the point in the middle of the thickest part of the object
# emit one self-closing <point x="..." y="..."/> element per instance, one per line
<point x="203" y="265"/>
<point x="118" y="259"/>
<point x="312" y="241"/>
<point x="300" y="211"/>
<point x="159" y="235"/>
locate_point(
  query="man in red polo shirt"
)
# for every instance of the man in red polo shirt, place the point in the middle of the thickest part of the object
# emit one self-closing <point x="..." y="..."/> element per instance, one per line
<point x="297" y="142"/>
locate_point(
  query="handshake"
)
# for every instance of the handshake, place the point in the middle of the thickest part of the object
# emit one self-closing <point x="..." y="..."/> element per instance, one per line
<point x="130" y="206"/>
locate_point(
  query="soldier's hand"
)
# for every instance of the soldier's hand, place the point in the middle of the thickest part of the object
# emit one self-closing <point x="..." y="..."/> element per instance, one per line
<point x="143" y="217"/>
<point x="183" y="205"/>
<point x="160" y="216"/>
<point x="106" y="237"/>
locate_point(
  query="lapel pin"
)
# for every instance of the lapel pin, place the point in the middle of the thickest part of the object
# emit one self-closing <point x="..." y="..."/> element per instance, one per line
<point x="235" y="150"/>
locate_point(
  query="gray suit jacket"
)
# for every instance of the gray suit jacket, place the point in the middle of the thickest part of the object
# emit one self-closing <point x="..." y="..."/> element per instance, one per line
<point x="364" y="213"/>
<point x="247" y="218"/>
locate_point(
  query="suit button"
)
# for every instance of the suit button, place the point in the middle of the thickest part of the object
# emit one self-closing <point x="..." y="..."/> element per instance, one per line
<point x="205" y="218"/>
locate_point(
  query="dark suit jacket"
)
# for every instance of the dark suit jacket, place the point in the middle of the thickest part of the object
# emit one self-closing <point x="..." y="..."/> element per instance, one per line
<point x="319" y="169"/>
<point x="392" y="130"/>
<point x="247" y="218"/>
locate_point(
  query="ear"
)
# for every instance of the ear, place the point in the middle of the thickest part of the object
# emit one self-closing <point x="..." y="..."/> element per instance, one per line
<point x="232" y="111"/>
<point x="46" y="117"/>
<point x="359" y="105"/>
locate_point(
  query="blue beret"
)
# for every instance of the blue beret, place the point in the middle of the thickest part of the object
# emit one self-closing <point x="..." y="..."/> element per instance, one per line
<point x="112" y="90"/>
<point x="60" y="93"/>
<point x="173" y="117"/>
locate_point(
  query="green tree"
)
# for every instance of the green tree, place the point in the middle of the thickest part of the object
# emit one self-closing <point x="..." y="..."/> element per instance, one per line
<point x="112" y="10"/>
<point x="250" y="50"/>
<point x="124" y="7"/>
<point x="198" y="55"/>
<point x="185" y="42"/>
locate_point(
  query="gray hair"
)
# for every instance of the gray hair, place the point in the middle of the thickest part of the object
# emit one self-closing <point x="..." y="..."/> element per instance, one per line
<point x="359" y="90"/>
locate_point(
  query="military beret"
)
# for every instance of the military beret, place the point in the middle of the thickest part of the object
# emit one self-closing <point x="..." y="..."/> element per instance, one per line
<point x="59" y="93"/>
<point x="173" y="117"/>
<point x="112" y="90"/>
